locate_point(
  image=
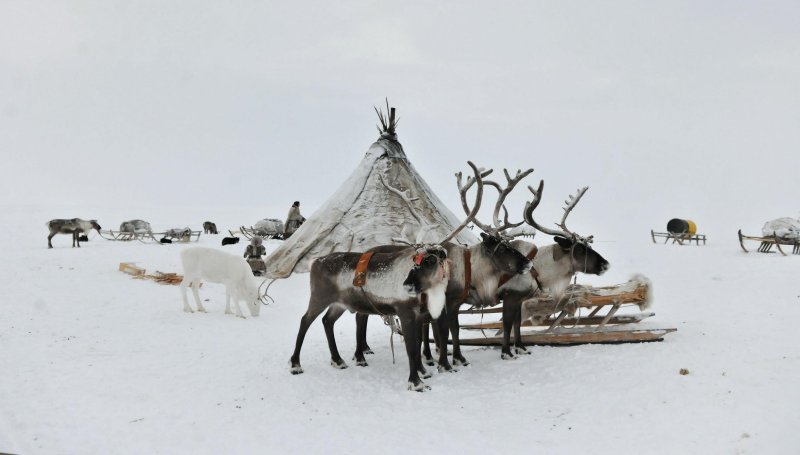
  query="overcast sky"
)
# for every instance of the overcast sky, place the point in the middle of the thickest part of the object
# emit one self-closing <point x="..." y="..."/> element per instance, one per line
<point x="688" y="109"/>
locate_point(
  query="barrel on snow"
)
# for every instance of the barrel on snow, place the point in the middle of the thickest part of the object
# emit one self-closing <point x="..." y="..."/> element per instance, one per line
<point x="680" y="226"/>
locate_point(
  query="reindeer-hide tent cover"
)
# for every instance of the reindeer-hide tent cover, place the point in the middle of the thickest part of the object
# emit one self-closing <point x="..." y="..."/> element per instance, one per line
<point x="364" y="213"/>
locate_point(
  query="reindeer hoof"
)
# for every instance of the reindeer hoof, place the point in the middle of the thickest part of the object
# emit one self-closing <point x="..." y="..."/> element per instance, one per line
<point x="188" y="310"/>
<point x="447" y="368"/>
<point x="362" y="363"/>
<point x="418" y="387"/>
<point x="460" y="362"/>
<point x="296" y="369"/>
<point x="429" y="361"/>
<point x="202" y="310"/>
<point x="368" y="351"/>
<point x="340" y="365"/>
<point x="507" y="356"/>
<point x="425" y="374"/>
<point x="521" y="350"/>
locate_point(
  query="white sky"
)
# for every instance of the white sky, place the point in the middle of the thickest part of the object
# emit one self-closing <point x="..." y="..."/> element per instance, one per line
<point x="687" y="109"/>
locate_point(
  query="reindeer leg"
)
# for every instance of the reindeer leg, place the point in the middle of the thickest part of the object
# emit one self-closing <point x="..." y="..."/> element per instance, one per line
<point x="508" y="323"/>
<point x="519" y="348"/>
<point x="361" y="339"/>
<point x="410" y="327"/>
<point x="315" y="307"/>
<point x="421" y="325"/>
<point x="333" y="313"/>
<point x="427" y="357"/>
<point x="186" y="308"/>
<point x="75" y="239"/>
<point x="458" y="358"/>
<point x="196" y="293"/>
<point x="49" y="240"/>
<point x="441" y="341"/>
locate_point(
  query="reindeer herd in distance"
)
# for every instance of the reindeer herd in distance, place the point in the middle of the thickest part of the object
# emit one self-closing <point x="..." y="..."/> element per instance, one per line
<point x="422" y="285"/>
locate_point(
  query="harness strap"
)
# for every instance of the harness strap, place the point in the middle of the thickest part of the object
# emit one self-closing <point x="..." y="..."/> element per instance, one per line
<point x="467" y="274"/>
<point x="535" y="274"/>
<point x="360" y="278"/>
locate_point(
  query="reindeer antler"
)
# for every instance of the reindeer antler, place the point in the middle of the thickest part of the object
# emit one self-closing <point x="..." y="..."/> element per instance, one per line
<point x="571" y="202"/>
<point x="504" y="192"/>
<point x="478" y="198"/>
<point x="406" y="197"/>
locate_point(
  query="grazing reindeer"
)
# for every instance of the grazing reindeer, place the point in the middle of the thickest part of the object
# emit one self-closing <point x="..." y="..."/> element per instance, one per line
<point x="209" y="228"/>
<point x="421" y="295"/>
<point x="75" y="226"/>
<point x="201" y="263"/>
<point x="553" y="267"/>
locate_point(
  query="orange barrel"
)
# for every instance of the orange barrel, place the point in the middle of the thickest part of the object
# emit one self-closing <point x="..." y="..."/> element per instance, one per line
<point x="681" y="226"/>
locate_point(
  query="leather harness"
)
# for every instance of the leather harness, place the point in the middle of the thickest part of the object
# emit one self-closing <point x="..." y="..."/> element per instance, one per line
<point x="360" y="278"/>
<point x="534" y="273"/>
<point x="467" y="274"/>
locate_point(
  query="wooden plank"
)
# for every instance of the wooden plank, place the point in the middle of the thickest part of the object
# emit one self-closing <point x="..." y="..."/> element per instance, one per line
<point x="131" y="269"/>
<point x="622" y="319"/>
<point x="576" y="336"/>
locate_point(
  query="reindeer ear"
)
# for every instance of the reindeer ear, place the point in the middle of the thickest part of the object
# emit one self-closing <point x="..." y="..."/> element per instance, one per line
<point x="563" y="242"/>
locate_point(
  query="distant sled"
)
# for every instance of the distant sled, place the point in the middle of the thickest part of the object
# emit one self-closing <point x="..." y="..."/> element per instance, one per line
<point x="767" y="243"/>
<point x="681" y="232"/>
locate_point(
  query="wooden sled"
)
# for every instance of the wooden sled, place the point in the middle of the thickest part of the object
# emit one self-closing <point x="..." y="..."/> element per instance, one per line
<point x="250" y="232"/>
<point x="767" y="243"/>
<point x="192" y="236"/>
<point x="566" y="325"/>
<point x="125" y="236"/>
<point x="678" y="238"/>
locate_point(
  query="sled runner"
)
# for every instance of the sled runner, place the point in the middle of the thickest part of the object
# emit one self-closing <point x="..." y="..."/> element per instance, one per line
<point x="768" y="241"/>
<point x="583" y="315"/>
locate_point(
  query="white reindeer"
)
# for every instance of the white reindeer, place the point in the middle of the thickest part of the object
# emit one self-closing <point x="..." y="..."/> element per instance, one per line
<point x="200" y="263"/>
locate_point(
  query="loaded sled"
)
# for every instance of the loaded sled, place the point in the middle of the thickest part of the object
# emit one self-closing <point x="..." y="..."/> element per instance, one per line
<point x="584" y="314"/>
<point x="268" y="228"/>
<point x="680" y="231"/>
<point x="183" y="236"/>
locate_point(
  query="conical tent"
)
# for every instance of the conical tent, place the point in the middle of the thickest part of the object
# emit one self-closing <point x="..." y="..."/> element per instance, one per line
<point x="384" y="199"/>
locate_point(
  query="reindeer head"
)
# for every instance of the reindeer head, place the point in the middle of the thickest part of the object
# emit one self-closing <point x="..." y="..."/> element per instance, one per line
<point x="576" y="248"/>
<point x="429" y="269"/>
<point x="495" y="244"/>
<point x="95" y="225"/>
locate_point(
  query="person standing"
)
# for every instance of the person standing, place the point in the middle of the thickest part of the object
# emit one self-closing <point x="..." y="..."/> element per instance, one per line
<point x="293" y="220"/>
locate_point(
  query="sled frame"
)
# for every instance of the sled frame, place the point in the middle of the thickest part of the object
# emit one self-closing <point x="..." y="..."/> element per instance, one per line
<point x="678" y="238"/>
<point x="768" y="241"/>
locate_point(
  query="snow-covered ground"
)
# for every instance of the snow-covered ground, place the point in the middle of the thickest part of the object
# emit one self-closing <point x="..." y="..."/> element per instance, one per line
<point x="96" y="362"/>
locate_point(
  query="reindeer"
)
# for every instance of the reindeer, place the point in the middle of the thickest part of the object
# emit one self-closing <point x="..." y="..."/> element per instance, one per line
<point x="474" y="272"/>
<point x="209" y="228"/>
<point x="553" y="267"/>
<point x="421" y="295"/>
<point x="75" y="226"/>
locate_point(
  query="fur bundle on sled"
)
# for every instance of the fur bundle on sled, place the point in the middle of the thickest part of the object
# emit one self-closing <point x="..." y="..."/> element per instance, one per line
<point x="638" y="291"/>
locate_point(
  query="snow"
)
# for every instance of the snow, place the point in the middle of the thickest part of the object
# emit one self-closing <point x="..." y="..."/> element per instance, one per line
<point x="97" y="362"/>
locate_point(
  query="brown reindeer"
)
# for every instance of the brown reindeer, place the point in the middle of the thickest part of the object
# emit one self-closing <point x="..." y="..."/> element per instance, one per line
<point x="406" y="281"/>
<point x="474" y="271"/>
<point x="553" y="268"/>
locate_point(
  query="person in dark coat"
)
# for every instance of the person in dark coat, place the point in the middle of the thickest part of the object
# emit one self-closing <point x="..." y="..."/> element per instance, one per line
<point x="293" y="220"/>
<point x="253" y="254"/>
